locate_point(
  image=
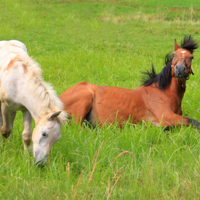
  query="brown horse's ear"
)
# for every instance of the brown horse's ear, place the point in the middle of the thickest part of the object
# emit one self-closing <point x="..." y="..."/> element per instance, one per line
<point x="176" y="45"/>
<point x="54" y="115"/>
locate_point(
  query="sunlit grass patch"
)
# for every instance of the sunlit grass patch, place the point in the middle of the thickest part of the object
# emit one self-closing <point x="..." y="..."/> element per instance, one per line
<point x="187" y="15"/>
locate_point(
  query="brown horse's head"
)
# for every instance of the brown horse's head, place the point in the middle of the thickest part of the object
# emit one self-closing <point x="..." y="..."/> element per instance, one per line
<point x="178" y="65"/>
<point x="182" y="58"/>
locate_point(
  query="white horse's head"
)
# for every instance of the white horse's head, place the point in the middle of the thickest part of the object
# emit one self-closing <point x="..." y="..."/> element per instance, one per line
<point x="45" y="134"/>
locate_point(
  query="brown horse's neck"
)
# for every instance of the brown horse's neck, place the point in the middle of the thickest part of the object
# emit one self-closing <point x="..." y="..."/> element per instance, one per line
<point x="178" y="86"/>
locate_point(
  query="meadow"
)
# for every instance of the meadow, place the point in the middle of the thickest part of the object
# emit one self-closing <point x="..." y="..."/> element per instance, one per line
<point x="104" y="42"/>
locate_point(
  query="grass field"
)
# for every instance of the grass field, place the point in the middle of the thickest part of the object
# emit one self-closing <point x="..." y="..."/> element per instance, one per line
<point x="105" y="43"/>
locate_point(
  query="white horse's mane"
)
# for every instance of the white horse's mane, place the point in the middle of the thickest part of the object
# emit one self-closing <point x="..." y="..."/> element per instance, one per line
<point x="41" y="90"/>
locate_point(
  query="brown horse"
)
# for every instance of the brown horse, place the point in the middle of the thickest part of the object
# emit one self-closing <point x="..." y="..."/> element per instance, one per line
<point x="158" y="99"/>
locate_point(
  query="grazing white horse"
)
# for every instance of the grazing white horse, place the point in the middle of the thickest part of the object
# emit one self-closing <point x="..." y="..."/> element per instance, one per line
<point x="22" y="88"/>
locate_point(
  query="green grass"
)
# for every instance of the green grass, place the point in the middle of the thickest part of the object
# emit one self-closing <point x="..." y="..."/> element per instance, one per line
<point x="105" y="43"/>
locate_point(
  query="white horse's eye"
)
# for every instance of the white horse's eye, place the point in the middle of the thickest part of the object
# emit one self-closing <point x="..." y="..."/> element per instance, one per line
<point x="44" y="134"/>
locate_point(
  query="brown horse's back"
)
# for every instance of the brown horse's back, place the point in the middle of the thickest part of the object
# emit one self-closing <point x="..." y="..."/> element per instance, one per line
<point x="104" y="104"/>
<point x="158" y="100"/>
<point x="78" y="100"/>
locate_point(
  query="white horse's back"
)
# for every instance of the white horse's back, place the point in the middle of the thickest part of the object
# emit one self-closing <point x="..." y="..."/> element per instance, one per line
<point x="10" y="50"/>
<point x="11" y="44"/>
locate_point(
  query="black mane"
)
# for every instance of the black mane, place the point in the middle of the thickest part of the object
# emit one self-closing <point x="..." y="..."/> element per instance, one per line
<point x="163" y="79"/>
<point x="188" y="43"/>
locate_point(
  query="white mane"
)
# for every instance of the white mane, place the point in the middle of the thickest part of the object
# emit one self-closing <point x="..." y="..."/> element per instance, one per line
<point x="43" y="91"/>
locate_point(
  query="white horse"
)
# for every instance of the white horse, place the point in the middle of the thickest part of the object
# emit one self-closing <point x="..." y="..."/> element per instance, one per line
<point x="22" y="88"/>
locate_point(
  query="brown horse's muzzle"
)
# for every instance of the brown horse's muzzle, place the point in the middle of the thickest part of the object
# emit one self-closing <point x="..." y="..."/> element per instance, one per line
<point x="180" y="71"/>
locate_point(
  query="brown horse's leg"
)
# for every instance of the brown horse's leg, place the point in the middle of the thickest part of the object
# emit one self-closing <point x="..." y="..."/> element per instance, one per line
<point x="179" y="111"/>
<point x="78" y="104"/>
<point x="174" y="119"/>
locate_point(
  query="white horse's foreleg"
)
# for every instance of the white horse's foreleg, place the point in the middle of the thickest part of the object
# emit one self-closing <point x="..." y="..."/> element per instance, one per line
<point x="26" y="134"/>
<point x="6" y="127"/>
<point x="12" y="118"/>
<point x="1" y="120"/>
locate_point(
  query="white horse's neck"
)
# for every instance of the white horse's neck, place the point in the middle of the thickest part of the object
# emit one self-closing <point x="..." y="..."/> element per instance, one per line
<point x="35" y="94"/>
<point x="40" y="103"/>
<point x="34" y="106"/>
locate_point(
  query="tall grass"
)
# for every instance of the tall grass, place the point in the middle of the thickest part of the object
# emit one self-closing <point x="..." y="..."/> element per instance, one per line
<point x="105" y="43"/>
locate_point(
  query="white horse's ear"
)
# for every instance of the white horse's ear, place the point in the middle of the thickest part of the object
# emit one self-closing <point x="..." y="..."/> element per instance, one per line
<point x="54" y="115"/>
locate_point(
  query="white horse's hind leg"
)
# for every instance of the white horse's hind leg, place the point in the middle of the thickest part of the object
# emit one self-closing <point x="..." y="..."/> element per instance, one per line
<point x="13" y="114"/>
<point x="26" y="135"/>
<point x="7" y="124"/>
